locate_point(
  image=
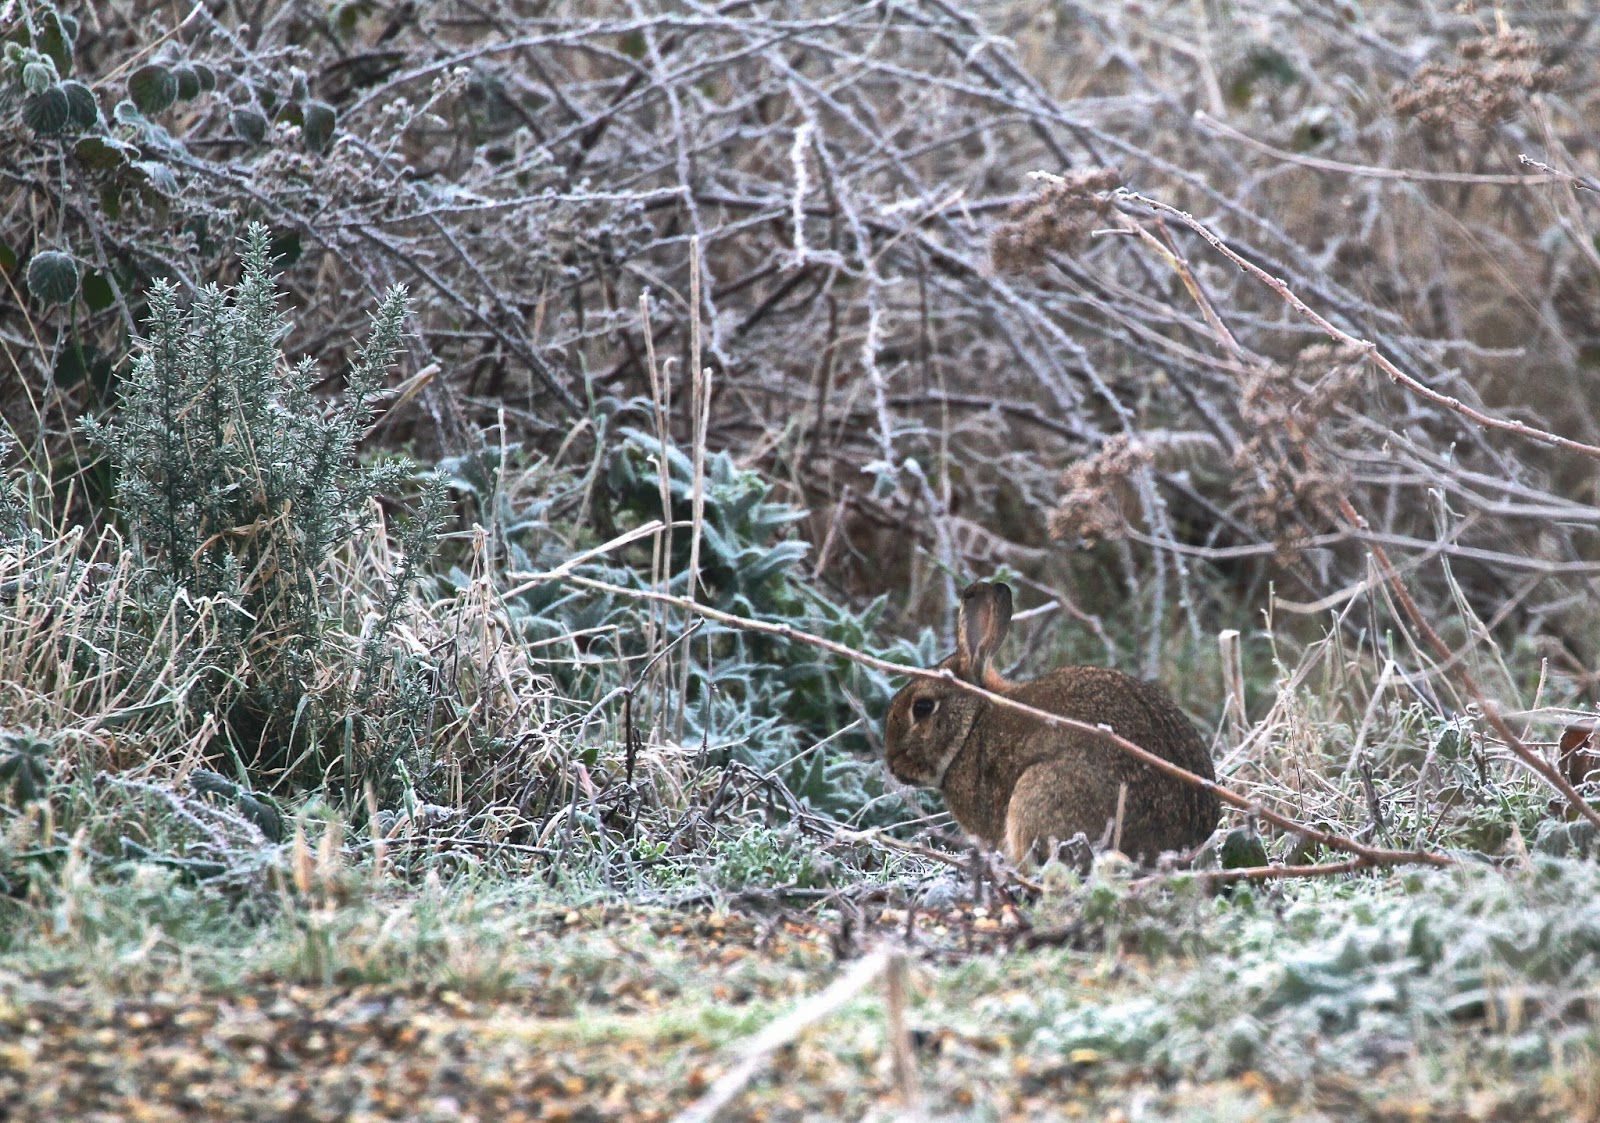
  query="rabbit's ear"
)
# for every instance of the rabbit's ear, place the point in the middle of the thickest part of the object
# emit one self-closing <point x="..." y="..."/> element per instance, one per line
<point x="981" y="626"/>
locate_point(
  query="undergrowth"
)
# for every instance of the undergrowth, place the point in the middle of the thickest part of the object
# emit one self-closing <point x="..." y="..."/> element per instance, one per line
<point x="330" y="648"/>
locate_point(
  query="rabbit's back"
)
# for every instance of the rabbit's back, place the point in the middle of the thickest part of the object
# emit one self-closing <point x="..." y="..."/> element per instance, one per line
<point x="1137" y="709"/>
<point x="1036" y="781"/>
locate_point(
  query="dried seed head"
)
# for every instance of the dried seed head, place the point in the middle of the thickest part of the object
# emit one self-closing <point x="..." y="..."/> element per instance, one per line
<point x="1057" y="219"/>
<point x="1500" y="71"/>
<point x="1094" y="492"/>
<point x="1288" y="476"/>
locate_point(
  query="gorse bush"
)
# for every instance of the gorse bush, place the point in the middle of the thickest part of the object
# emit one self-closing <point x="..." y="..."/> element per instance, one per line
<point x="236" y="486"/>
<point x="14" y="522"/>
<point x="878" y="346"/>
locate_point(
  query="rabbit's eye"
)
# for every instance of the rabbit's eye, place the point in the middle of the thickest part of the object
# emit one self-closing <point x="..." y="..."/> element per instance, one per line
<point x="923" y="708"/>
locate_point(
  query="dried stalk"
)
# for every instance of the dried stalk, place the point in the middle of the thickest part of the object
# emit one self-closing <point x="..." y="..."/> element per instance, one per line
<point x="759" y="1049"/>
<point x="1366" y="346"/>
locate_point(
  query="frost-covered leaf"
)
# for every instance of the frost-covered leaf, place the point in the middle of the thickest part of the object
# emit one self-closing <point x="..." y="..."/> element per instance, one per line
<point x="188" y="82"/>
<point x="47" y="112"/>
<point x="153" y="88"/>
<point x="53" y="277"/>
<point x="249" y="124"/>
<point x="83" y="110"/>
<point x="55" y="38"/>
<point x="104" y="153"/>
<point x="37" y="77"/>
<point x="158" y="175"/>
<point x="318" y="125"/>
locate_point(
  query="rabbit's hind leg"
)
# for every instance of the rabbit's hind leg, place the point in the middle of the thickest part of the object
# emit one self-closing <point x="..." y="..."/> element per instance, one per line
<point x="1049" y="805"/>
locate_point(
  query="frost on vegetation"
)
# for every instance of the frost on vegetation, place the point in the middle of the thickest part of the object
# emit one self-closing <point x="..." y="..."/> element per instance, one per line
<point x="1355" y="978"/>
<point x="237" y="486"/>
<point x="748" y="699"/>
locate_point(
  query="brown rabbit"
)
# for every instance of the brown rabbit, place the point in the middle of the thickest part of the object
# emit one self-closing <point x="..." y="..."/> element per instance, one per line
<point x="1016" y="782"/>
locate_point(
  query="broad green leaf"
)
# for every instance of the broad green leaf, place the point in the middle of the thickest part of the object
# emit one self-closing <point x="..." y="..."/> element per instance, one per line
<point x="103" y="153"/>
<point x="47" y="112"/>
<point x="53" y="277"/>
<point x="188" y="82"/>
<point x="318" y="126"/>
<point x="153" y="88"/>
<point x="57" y="34"/>
<point x="97" y="291"/>
<point x="83" y="109"/>
<point x="249" y="125"/>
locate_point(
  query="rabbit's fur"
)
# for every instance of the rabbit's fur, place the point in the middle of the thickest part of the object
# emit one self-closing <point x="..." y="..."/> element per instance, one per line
<point x="1017" y="783"/>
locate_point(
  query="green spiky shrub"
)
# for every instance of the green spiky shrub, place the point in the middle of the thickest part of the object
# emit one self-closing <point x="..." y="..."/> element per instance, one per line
<point x="13" y="512"/>
<point x="236" y="485"/>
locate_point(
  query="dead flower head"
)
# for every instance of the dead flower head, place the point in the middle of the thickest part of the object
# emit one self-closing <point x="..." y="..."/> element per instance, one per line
<point x="1096" y="490"/>
<point x="1497" y="72"/>
<point x="1059" y="218"/>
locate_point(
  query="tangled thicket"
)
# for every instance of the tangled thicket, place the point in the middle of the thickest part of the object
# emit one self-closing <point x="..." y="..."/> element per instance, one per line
<point x="902" y="325"/>
<point x="959" y="275"/>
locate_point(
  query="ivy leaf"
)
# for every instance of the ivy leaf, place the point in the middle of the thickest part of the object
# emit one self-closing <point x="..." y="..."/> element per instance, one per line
<point x="207" y="77"/>
<point x="53" y="277"/>
<point x="153" y="88"/>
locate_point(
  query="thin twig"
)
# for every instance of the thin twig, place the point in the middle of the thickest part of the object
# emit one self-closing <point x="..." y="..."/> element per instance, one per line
<point x="1537" y="764"/>
<point x="1365" y="346"/>
<point x="759" y="1049"/>
<point x="1369" y="171"/>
